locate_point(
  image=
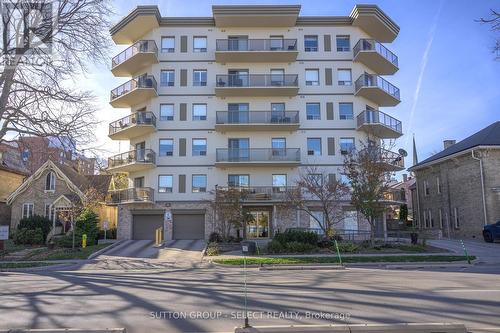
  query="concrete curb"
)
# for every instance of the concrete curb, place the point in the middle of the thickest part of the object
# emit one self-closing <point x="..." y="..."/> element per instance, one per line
<point x="431" y="265"/>
<point x="107" y="248"/>
<point x="68" y="330"/>
<point x="47" y="267"/>
<point x="301" y="267"/>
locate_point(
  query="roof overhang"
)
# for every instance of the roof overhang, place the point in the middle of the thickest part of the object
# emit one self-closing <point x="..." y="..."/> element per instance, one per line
<point x="256" y="15"/>
<point x="374" y="22"/>
<point x="136" y="24"/>
<point x="442" y="159"/>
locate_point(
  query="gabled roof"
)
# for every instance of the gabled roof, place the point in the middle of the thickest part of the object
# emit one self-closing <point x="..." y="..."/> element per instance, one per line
<point x="75" y="181"/>
<point x="489" y="136"/>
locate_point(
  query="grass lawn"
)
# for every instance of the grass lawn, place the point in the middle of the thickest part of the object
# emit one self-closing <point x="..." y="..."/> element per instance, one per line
<point x="334" y="260"/>
<point x="8" y="265"/>
<point x="64" y="253"/>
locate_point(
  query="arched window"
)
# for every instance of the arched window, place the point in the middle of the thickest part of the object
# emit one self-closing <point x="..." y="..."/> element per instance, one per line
<point x="50" y="181"/>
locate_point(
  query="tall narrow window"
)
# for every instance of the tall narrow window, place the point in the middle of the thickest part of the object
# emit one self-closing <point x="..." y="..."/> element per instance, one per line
<point x="279" y="183"/>
<point x="165" y="183"/>
<point x="456" y="218"/>
<point x="200" y="44"/>
<point x="50" y="181"/>
<point x="426" y="188"/>
<point x="27" y="210"/>
<point x="166" y="112"/>
<point x="438" y="183"/>
<point x="440" y="218"/>
<point x="167" y="44"/>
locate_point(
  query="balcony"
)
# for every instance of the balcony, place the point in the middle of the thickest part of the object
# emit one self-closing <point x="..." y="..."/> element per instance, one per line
<point x="130" y="195"/>
<point x="379" y="124"/>
<point x="261" y="193"/>
<point x="377" y="90"/>
<point x="135" y="91"/>
<point x="394" y="196"/>
<point x="131" y="126"/>
<point x="135" y="58"/>
<point x="391" y="161"/>
<point x="375" y="56"/>
<point x="132" y="161"/>
<point x="257" y="121"/>
<point x="257" y="85"/>
<point x="257" y="157"/>
<point x="256" y="50"/>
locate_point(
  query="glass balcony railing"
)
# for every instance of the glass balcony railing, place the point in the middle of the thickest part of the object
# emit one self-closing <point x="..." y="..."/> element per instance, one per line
<point x="142" y="46"/>
<point x="136" y="194"/>
<point x="257" y="117"/>
<point x="258" y="155"/>
<point x="372" y="80"/>
<point x="253" y="45"/>
<point x="373" y="45"/>
<point x="261" y="192"/>
<point x="257" y="80"/>
<point x="142" y="81"/>
<point x="379" y="117"/>
<point x="138" y="118"/>
<point x="133" y="156"/>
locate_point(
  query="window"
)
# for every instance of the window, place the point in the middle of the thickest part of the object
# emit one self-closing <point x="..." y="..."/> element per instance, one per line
<point x="50" y="181"/>
<point x="27" y="210"/>
<point x="166" y="147"/>
<point x="440" y="218"/>
<point x="317" y="220"/>
<point x="346" y="111"/>
<point x="25" y="155"/>
<point x="343" y="44"/>
<point x="346" y="145"/>
<point x="345" y="77"/>
<point x="199" y="147"/>
<point x="199" y="183"/>
<point x="438" y="183"/>
<point x="166" y="112"/>
<point x="426" y="221"/>
<point x="313" y="146"/>
<point x="426" y="188"/>
<point x="200" y="44"/>
<point x="431" y="220"/>
<point x="315" y="179"/>
<point x="199" y="112"/>
<point x="313" y="111"/>
<point x="165" y="183"/>
<point x="167" y="44"/>
<point x="199" y="78"/>
<point x="455" y="217"/>
<point x="238" y="180"/>
<point x="311" y="43"/>
<point x="279" y="183"/>
<point x="167" y="78"/>
<point x="312" y="77"/>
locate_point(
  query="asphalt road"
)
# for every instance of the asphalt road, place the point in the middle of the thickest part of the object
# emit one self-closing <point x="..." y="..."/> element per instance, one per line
<point x="211" y="299"/>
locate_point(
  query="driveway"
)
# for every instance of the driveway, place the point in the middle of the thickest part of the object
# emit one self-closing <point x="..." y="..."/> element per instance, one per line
<point x="488" y="253"/>
<point x="182" y="252"/>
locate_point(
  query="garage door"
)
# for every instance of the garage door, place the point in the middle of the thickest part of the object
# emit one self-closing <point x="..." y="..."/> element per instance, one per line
<point x="144" y="226"/>
<point x="189" y="226"/>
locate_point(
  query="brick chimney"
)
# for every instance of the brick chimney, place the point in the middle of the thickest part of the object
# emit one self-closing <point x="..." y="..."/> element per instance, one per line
<point x="448" y="143"/>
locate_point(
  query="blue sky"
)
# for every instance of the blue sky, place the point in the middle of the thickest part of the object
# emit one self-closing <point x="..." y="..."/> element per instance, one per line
<point x="448" y="78"/>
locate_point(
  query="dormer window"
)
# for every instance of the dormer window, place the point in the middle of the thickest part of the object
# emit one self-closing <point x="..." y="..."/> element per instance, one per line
<point x="50" y="181"/>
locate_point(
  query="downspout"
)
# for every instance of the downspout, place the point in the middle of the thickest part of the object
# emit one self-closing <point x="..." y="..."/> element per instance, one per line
<point x="482" y="185"/>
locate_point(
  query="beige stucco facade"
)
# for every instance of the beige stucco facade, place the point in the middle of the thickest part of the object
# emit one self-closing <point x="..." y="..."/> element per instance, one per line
<point x="330" y="128"/>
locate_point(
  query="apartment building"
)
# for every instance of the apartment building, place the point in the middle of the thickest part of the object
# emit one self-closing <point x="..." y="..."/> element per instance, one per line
<point x="248" y="97"/>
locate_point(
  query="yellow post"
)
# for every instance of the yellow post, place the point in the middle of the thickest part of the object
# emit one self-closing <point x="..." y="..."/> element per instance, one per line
<point x="84" y="241"/>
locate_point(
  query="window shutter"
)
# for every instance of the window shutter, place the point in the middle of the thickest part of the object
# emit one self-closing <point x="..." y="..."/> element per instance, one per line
<point x="182" y="183"/>
<point x="327" y="43"/>
<point x="182" y="147"/>
<point x="331" y="146"/>
<point x="184" y="44"/>
<point x="183" y="112"/>
<point x="328" y="76"/>
<point x="329" y="111"/>
<point x="183" y="77"/>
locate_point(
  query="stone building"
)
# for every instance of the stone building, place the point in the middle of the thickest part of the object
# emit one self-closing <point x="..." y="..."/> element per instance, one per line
<point x="457" y="190"/>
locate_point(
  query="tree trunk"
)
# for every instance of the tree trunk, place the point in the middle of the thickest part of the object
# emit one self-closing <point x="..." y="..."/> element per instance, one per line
<point x="372" y="232"/>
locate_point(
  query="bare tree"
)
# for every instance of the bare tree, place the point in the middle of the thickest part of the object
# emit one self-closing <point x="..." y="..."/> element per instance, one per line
<point x="46" y="46"/>
<point x="229" y="214"/>
<point x="315" y="191"/>
<point x="368" y="171"/>
<point x="494" y="21"/>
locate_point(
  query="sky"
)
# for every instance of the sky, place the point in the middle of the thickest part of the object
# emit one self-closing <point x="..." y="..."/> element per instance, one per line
<point x="448" y="78"/>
